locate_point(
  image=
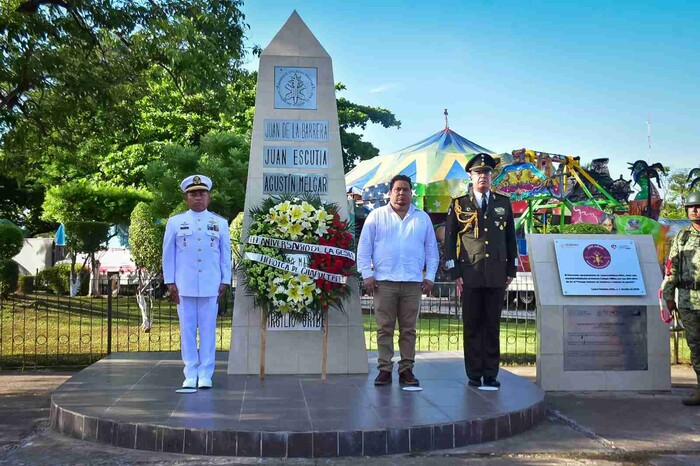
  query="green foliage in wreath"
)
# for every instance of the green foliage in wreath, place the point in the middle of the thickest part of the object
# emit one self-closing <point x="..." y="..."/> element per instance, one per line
<point x="302" y="219"/>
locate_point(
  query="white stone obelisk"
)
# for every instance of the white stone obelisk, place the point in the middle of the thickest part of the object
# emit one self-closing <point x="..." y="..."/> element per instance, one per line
<point x="296" y="142"/>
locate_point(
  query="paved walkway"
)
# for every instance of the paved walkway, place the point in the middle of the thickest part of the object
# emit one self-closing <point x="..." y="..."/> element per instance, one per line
<point x="582" y="428"/>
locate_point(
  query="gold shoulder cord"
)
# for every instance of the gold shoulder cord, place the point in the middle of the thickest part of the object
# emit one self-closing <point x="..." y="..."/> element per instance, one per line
<point x="467" y="219"/>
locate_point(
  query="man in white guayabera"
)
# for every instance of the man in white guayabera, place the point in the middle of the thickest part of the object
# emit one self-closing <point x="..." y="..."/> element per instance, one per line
<point x="197" y="271"/>
<point x="399" y="241"/>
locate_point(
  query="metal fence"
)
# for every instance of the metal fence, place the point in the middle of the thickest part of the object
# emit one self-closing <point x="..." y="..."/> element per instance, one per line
<point x="42" y="330"/>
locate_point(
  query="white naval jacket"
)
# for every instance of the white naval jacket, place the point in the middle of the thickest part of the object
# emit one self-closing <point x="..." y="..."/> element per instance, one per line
<point x="197" y="253"/>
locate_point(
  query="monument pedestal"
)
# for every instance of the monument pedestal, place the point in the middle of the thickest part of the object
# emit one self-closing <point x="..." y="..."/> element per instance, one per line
<point x="127" y="400"/>
<point x="598" y="342"/>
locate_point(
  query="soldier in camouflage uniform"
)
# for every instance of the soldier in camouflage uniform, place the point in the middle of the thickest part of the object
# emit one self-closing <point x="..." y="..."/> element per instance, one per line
<point x="684" y="275"/>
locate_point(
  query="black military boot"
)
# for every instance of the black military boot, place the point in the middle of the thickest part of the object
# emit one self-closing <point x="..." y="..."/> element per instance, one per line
<point x="693" y="400"/>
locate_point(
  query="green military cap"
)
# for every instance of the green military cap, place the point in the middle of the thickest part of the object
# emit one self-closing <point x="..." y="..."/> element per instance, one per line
<point x="693" y="199"/>
<point x="481" y="162"/>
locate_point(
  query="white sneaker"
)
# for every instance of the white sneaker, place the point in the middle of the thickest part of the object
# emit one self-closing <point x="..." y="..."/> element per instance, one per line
<point x="204" y="383"/>
<point x="189" y="383"/>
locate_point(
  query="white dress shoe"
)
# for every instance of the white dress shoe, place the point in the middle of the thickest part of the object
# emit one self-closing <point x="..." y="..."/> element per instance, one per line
<point x="189" y="383"/>
<point x="204" y="383"/>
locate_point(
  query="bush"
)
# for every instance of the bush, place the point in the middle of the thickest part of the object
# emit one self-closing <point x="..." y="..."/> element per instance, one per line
<point x="57" y="280"/>
<point x="25" y="284"/>
<point x="11" y="241"/>
<point x="9" y="272"/>
<point x="584" y="229"/>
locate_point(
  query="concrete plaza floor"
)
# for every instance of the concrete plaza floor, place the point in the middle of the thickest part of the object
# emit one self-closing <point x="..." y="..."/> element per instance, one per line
<point x="582" y="428"/>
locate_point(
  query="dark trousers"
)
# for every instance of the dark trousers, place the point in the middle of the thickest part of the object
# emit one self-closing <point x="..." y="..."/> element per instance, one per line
<point x="481" y="314"/>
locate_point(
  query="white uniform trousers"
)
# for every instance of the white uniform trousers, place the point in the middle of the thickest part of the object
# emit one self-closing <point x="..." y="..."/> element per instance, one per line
<point x="198" y="312"/>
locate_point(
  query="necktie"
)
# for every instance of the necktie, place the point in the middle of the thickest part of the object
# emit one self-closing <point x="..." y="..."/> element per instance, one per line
<point x="483" y="203"/>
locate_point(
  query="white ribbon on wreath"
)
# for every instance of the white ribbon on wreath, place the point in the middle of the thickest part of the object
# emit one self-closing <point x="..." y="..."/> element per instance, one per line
<point x="300" y="247"/>
<point x="292" y="268"/>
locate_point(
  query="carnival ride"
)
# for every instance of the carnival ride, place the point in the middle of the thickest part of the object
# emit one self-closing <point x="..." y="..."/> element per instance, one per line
<point x="539" y="192"/>
<point x="547" y="190"/>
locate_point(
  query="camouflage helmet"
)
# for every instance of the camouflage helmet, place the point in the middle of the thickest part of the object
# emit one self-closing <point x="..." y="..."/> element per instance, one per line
<point x="693" y="199"/>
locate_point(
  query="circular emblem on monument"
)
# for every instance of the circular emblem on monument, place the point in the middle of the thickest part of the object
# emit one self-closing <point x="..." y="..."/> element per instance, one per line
<point x="596" y="256"/>
<point x="296" y="87"/>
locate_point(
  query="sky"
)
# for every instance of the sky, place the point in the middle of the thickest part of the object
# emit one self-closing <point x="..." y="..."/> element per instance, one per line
<point x="572" y="78"/>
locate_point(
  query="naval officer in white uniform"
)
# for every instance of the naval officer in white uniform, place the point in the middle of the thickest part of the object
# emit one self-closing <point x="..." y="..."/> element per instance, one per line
<point x="197" y="271"/>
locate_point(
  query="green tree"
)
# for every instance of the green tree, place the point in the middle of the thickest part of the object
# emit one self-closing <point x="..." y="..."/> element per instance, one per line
<point x="222" y="156"/>
<point x="95" y="90"/>
<point x="87" y="238"/>
<point x="22" y="205"/>
<point x="11" y="242"/>
<point x="354" y="117"/>
<point x="146" y="239"/>
<point x="84" y="201"/>
<point x="675" y="192"/>
<point x="678" y="185"/>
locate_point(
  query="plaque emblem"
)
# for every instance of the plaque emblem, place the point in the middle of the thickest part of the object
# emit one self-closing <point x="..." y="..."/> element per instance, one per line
<point x="295" y="88"/>
<point x="596" y="256"/>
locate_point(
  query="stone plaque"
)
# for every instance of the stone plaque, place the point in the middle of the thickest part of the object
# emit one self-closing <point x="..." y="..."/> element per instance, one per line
<point x="295" y="130"/>
<point x="295" y="183"/>
<point x="286" y="322"/>
<point x="605" y="338"/>
<point x="595" y="267"/>
<point x="295" y="88"/>
<point x="295" y="157"/>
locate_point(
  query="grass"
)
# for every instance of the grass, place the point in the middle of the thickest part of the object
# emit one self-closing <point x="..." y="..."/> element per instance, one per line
<point x="46" y="330"/>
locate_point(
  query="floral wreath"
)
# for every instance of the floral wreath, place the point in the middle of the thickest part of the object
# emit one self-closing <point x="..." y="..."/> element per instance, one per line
<point x="283" y="227"/>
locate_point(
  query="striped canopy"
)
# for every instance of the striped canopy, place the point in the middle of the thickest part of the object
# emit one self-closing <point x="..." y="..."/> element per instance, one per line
<point x="439" y="157"/>
<point x="435" y="166"/>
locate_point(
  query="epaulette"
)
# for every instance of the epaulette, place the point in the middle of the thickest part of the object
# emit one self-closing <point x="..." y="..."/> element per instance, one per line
<point x="460" y="197"/>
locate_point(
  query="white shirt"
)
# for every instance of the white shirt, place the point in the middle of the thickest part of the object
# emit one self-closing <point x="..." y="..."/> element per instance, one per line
<point x="398" y="248"/>
<point x="197" y="253"/>
<point x="477" y="197"/>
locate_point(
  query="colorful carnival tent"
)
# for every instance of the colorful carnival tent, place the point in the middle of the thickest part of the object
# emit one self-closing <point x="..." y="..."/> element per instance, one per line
<point x="435" y="166"/>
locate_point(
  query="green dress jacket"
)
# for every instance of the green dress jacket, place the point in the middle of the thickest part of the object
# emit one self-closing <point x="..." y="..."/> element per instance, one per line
<point x="480" y="246"/>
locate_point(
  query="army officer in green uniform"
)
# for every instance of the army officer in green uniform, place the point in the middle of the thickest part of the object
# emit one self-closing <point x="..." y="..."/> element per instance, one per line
<point x="481" y="252"/>
<point x="684" y="275"/>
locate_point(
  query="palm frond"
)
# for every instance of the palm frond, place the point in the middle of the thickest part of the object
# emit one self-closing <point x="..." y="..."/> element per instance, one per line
<point x="696" y="181"/>
<point x="637" y="165"/>
<point x="694" y="173"/>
